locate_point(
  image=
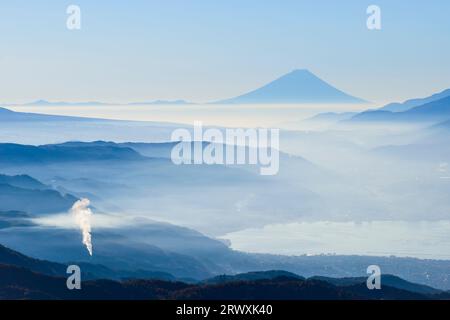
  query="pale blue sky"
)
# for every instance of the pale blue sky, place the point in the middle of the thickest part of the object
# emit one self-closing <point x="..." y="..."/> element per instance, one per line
<point x="204" y="50"/>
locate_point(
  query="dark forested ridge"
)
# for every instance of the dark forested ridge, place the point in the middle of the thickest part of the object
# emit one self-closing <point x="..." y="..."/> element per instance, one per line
<point x="22" y="277"/>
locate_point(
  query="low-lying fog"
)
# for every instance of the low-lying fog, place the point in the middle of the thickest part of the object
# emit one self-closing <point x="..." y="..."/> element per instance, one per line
<point x="352" y="189"/>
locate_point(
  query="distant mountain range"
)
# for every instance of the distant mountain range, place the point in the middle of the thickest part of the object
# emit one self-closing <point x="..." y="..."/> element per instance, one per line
<point x="443" y="125"/>
<point x="34" y="201"/>
<point x="168" y="102"/>
<point x="298" y="86"/>
<point x="14" y="153"/>
<point x="331" y="117"/>
<point x="435" y="108"/>
<point x="46" y="103"/>
<point x="22" y="277"/>
<point x="14" y="218"/>
<point x="22" y="181"/>
<point x="7" y="115"/>
<point x="409" y="104"/>
<point x="435" y="111"/>
<point x="22" y="194"/>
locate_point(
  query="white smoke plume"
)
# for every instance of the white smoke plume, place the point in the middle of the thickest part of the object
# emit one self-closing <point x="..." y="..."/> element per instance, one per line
<point x="82" y="214"/>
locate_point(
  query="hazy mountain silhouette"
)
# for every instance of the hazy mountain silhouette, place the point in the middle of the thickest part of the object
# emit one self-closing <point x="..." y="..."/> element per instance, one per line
<point x="7" y="115"/>
<point x="46" y="103"/>
<point x="25" y="194"/>
<point x="409" y="104"/>
<point x="298" y="86"/>
<point x="436" y="111"/>
<point x="330" y="117"/>
<point x="14" y="218"/>
<point x="14" y="153"/>
<point x="63" y="103"/>
<point x="34" y="201"/>
<point x="11" y="257"/>
<point x="169" y="102"/>
<point x="442" y="126"/>
<point x="22" y="181"/>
